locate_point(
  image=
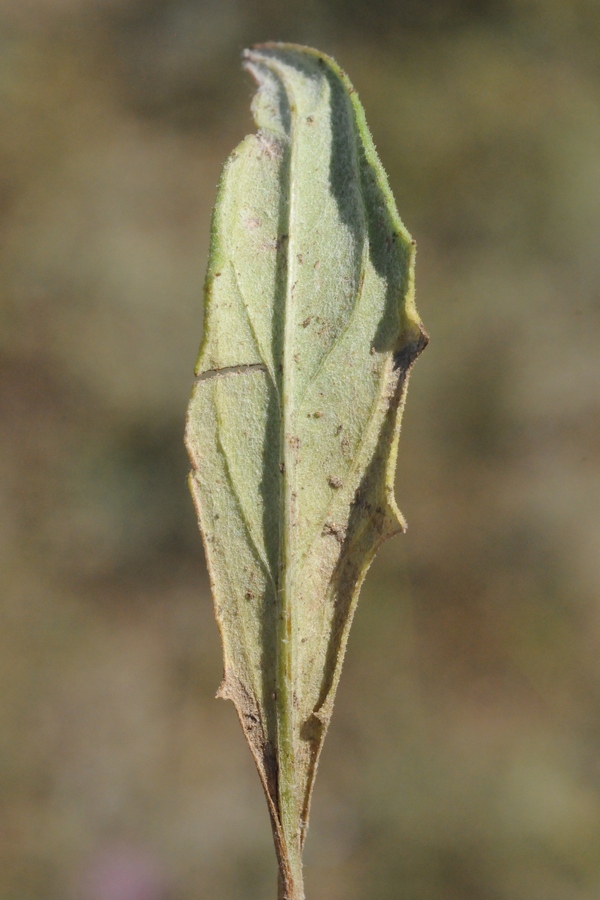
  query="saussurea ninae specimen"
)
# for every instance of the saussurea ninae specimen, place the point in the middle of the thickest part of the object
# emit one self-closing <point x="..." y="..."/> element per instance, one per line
<point x="310" y="333"/>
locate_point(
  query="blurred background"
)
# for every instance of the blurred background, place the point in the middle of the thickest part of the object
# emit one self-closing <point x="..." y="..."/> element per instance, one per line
<point x="463" y="762"/>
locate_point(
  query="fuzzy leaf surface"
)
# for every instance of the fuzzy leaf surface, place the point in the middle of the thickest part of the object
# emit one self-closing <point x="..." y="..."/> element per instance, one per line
<point x="310" y="332"/>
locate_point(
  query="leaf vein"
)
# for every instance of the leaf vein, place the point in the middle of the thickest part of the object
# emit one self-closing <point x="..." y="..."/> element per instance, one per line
<point x="242" y="512"/>
<point x="259" y="348"/>
<point x="324" y="360"/>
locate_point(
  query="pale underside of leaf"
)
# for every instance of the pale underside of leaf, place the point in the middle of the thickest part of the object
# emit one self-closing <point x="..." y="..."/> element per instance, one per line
<point x="310" y="333"/>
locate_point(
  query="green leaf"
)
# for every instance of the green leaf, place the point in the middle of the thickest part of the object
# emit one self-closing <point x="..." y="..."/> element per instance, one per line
<point x="292" y="431"/>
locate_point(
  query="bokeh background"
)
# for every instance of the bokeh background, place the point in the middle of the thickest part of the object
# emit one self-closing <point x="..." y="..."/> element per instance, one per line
<point x="463" y="762"/>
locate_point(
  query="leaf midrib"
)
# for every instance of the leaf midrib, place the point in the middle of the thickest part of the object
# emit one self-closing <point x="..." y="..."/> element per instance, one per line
<point x="286" y="625"/>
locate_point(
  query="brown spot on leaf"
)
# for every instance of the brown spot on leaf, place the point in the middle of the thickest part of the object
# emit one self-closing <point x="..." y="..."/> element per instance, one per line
<point x="330" y="528"/>
<point x="405" y="357"/>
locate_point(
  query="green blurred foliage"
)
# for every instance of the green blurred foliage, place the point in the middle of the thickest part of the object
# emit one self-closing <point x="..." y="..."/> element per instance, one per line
<point x="463" y="760"/>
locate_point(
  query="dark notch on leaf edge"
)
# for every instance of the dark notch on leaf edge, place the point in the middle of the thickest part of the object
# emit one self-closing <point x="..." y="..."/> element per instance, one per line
<point x="404" y="358"/>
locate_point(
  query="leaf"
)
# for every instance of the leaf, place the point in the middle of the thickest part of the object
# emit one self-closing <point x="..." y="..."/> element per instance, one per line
<point x="292" y="431"/>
